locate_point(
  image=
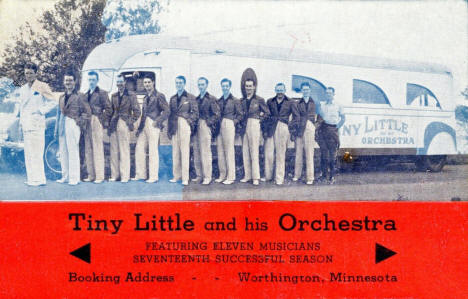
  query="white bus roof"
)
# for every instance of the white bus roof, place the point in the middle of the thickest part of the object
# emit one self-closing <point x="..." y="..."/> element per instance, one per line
<point x="113" y="54"/>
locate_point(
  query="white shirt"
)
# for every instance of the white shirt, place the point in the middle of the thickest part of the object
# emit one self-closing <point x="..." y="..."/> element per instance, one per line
<point x="331" y="113"/>
<point x="33" y="107"/>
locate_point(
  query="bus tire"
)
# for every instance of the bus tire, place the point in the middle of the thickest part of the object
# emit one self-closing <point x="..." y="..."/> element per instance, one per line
<point x="50" y="157"/>
<point x="434" y="163"/>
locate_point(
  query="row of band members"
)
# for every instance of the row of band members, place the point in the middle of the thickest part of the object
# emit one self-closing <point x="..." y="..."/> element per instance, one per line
<point x="199" y="119"/>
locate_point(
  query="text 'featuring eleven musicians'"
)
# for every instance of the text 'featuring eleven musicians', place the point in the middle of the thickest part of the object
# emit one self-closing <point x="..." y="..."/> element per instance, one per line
<point x="193" y="124"/>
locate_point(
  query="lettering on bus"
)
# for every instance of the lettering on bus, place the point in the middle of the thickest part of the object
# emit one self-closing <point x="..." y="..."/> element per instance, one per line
<point x="379" y="131"/>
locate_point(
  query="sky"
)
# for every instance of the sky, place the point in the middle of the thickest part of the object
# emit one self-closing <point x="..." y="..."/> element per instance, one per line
<point x="428" y="31"/>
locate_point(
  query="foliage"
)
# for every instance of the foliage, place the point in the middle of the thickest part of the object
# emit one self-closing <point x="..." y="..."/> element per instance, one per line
<point x="130" y="17"/>
<point x="64" y="37"/>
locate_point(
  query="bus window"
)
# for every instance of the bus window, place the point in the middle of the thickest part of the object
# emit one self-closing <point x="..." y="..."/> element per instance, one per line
<point x="367" y="93"/>
<point x="134" y="80"/>
<point x="317" y="89"/>
<point x="420" y="96"/>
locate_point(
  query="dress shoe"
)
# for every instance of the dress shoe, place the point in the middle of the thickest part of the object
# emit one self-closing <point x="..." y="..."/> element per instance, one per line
<point x="185" y="183"/>
<point x="331" y="181"/>
<point x="263" y="179"/>
<point x="206" y="182"/>
<point x="295" y="179"/>
<point x="86" y="180"/>
<point x="112" y="180"/>
<point x="244" y="180"/>
<point x="255" y="182"/>
<point x="61" y="181"/>
<point x="228" y="182"/>
<point x="279" y="183"/>
<point x="151" y="181"/>
<point x="219" y="180"/>
<point x="196" y="180"/>
<point x="98" y="181"/>
<point x="124" y="181"/>
<point x="173" y="180"/>
<point x="73" y="183"/>
<point x="310" y="182"/>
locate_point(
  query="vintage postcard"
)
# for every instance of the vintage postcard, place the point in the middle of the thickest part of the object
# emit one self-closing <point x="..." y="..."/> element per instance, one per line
<point x="233" y="149"/>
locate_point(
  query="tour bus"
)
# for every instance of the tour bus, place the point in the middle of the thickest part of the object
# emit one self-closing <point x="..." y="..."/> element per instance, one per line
<point x="394" y="109"/>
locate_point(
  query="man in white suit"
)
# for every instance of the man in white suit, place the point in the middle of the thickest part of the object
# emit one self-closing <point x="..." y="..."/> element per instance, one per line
<point x="36" y="100"/>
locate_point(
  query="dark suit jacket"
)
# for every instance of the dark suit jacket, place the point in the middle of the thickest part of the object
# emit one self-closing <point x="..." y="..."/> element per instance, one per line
<point x="305" y="112"/>
<point x="100" y="105"/>
<point x="155" y="107"/>
<point x="254" y="108"/>
<point x="209" y="111"/>
<point x="126" y="109"/>
<point x="187" y="107"/>
<point x="76" y="108"/>
<point x="231" y="108"/>
<point x="270" y="123"/>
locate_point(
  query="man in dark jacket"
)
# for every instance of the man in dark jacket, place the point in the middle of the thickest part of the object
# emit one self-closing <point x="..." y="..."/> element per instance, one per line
<point x="155" y="111"/>
<point x="183" y="119"/>
<point x="209" y="117"/>
<point x="232" y="114"/>
<point x="125" y="112"/>
<point x="101" y="111"/>
<point x="256" y="111"/>
<point x="276" y="133"/>
<point x="73" y="116"/>
<point x="303" y="132"/>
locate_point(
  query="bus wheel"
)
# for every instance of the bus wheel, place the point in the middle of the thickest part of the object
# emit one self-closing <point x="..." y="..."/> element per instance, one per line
<point x="433" y="163"/>
<point x="50" y="157"/>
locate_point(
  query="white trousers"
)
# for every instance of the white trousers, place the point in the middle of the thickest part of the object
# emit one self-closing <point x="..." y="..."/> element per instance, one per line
<point x="94" y="149"/>
<point x="250" y="149"/>
<point x="33" y="156"/>
<point x="305" y="144"/>
<point x="69" y="151"/>
<point x="149" y="137"/>
<point x="275" y="153"/>
<point x="202" y="151"/>
<point x="120" y="152"/>
<point x="181" y="150"/>
<point x="226" y="151"/>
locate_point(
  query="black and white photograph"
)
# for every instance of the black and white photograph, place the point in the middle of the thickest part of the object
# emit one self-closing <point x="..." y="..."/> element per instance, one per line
<point x="240" y="100"/>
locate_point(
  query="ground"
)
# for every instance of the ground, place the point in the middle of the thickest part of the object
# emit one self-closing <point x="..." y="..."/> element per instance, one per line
<point x="398" y="182"/>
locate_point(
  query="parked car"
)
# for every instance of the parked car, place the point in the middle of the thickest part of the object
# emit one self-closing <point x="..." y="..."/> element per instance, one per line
<point x="12" y="143"/>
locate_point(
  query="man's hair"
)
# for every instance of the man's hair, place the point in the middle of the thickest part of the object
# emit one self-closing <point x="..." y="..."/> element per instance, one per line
<point x="70" y="73"/>
<point x="148" y="77"/>
<point x="226" y="80"/>
<point x="331" y="88"/>
<point x="280" y="84"/>
<point x="250" y="80"/>
<point x="305" y="84"/>
<point x="31" y="66"/>
<point x="181" y="78"/>
<point x="93" y="73"/>
<point x="203" y="78"/>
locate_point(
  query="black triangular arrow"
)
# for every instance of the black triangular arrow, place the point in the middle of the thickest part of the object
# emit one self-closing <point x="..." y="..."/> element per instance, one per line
<point x="83" y="253"/>
<point x="382" y="253"/>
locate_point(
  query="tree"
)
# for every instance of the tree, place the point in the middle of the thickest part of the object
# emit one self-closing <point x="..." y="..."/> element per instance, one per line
<point x="65" y="36"/>
<point x="130" y="17"/>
